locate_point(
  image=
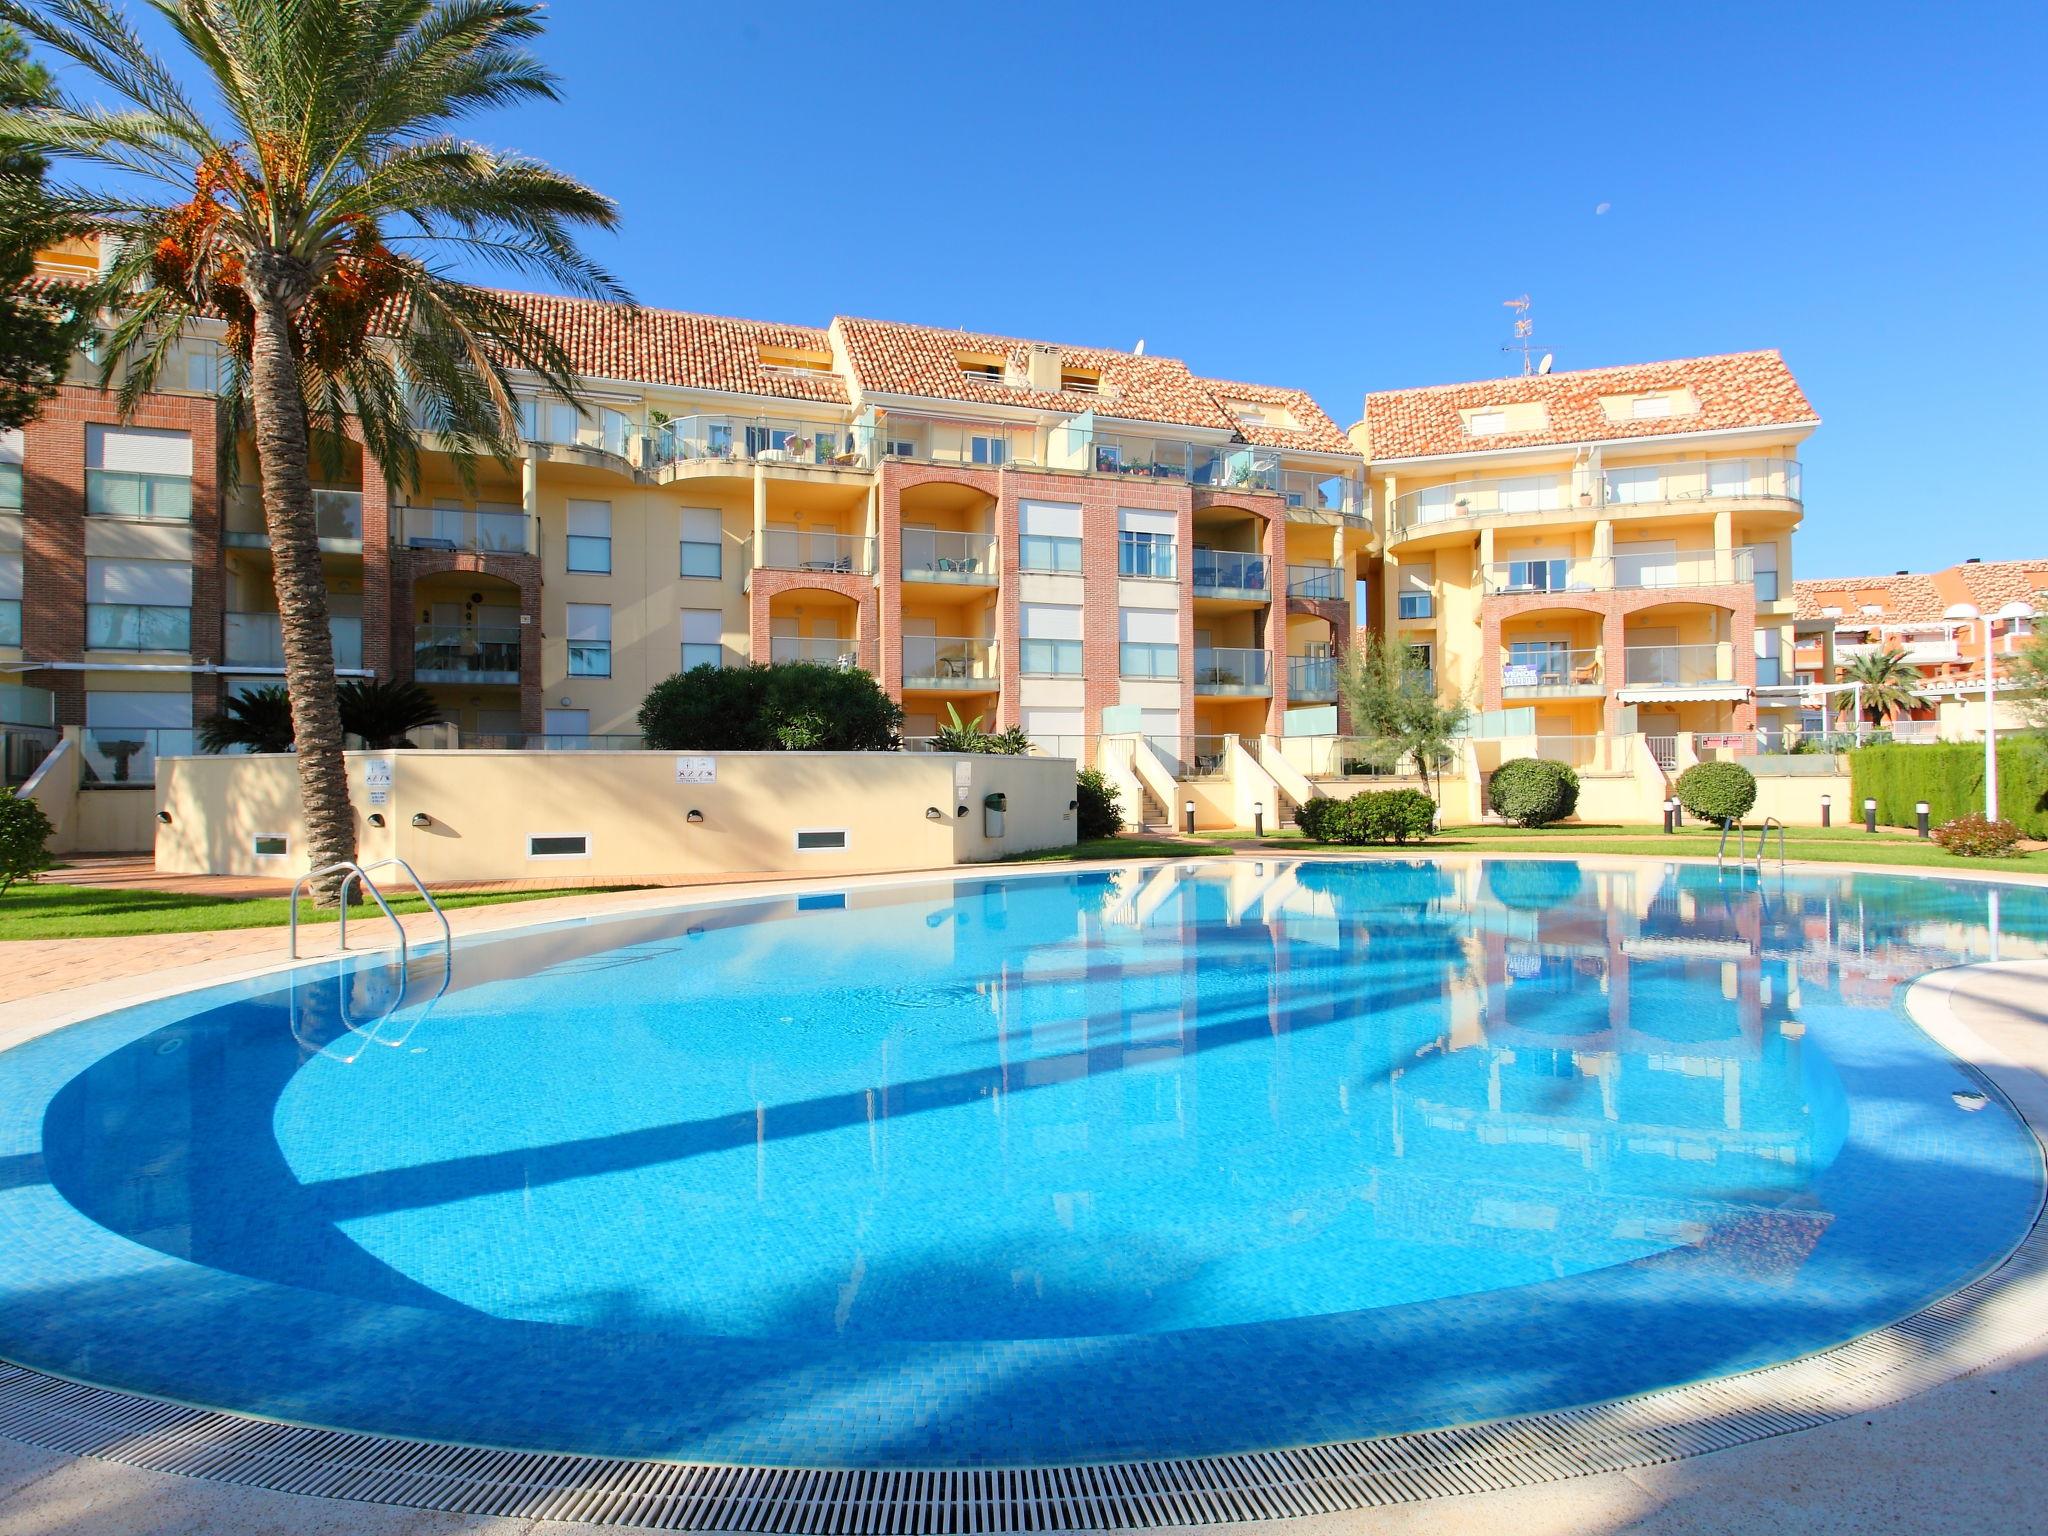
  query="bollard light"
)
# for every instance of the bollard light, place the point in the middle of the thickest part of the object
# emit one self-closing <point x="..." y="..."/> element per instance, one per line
<point x="1189" y="811"/>
<point x="1667" y="815"/>
<point x="1870" y="815"/>
<point x="1258" y="818"/>
<point x="1827" y="810"/>
<point x="1920" y="809"/>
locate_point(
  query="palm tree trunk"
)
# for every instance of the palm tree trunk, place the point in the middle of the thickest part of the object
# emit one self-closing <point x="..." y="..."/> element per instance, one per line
<point x="282" y="452"/>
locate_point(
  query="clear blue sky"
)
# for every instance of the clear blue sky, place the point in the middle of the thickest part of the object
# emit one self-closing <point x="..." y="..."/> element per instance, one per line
<point x="1340" y="197"/>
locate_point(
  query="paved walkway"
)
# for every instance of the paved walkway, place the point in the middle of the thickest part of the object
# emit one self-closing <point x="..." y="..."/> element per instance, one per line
<point x="1970" y="1456"/>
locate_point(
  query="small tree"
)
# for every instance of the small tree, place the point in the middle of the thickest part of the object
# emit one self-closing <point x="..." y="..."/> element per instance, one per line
<point x="1396" y="714"/>
<point x="2027" y="676"/>
<point x="260" y="720"/>
<point x="1098" y="806"/>
<point x="796" y="706"/>
<point x="1888" y="688"/>
<point x="382" y="711"/>
<point x="1718" y="792"/>
<point x="37" y="329"/>
<point x="25" y="834"/>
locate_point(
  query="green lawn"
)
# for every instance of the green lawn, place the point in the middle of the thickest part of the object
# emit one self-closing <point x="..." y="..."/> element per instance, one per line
<point x="43" y="911"/>
<point x="1120" y="848"/>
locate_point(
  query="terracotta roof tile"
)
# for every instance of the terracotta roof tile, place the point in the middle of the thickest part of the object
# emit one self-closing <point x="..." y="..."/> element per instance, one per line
<point x="683" y="350"/>
<point x="1909" y="599"/>
<point x="1313" y="430"/>
<point x="1994" y="583"/>
<point x="1739" y="389"/>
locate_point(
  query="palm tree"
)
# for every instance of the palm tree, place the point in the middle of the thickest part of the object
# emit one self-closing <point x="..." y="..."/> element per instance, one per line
<point x="1889" y="685"/>
<point x="260" y="720"/>
<point x="312" y="200"/>
<point x="383" y="710"/>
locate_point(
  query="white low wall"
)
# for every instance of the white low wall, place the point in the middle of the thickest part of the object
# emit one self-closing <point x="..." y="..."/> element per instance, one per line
<point x="632" y="810"/>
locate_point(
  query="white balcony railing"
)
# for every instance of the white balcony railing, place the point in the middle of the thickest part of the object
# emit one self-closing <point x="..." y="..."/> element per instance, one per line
<point x="1619" y="486"/>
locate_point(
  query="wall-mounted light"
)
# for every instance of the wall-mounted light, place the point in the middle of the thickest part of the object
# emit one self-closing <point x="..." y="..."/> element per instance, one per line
<point x="694" y="816"/>
<point x="960" y="811"/>
<point x="164" y="817"/>
<point x="1073" y="805"/>
<point x="376" y="818"/>
<point x="933" y="813"/>
<point x="422" y="819"/>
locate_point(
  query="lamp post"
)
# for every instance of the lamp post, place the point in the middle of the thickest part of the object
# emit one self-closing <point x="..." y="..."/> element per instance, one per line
<point x="1968" y="613"/>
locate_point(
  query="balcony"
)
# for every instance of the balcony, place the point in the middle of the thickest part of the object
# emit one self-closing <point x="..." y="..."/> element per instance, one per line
<point x="1933" y="653"/>
<point x="962" y="444"/>
<point x="1229" y="573"/>
<point x="1553" y="673"/>
<point x="125" y="757"/>
<point x="960" y="663"/>
<point x="1311" y="679"/>
<point x="1630" y="487"/>
<point x="820" y="650"/>
<point x="137" y="627"/>
<point x="1206" y="466"/>
<point x="1313" y="498"/>
<point x="466" y="653"/>
<point x="1223" y="672"/>
<point x="1683" y="568"/>
<point x="556" y="423"/>
<point x="1673" y="667"/>
<point x="841" y="554"/>
<point x="1324" y="582"/>
<point x="337" y="524"/>
<point x="257" y="640"/>
<point x="770" y="440"/>
<point x="467" y="529"/>
<point x="957" y="559"/>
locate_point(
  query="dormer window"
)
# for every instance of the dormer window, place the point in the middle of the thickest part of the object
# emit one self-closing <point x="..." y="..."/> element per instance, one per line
<point x="1649" y="407"/>
<point x="797" y="360"/>
<point x="1873" y="610"/>
<point x="980" y="366"/>
<point x="1081" y="381"/>
<point x="1831" y="612"/>
<point x="1486" y="423"/>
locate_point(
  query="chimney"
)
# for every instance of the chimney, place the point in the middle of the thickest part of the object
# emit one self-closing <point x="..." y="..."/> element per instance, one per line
<point x="1042" y="366"/>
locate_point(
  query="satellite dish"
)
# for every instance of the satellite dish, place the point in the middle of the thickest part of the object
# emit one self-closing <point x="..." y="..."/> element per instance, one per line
<point x="1544" y="366"/>
<point x="1139" y="349"/>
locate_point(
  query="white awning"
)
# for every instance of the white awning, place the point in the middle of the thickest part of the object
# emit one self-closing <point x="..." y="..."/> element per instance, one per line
<point x="1683" y="693"/>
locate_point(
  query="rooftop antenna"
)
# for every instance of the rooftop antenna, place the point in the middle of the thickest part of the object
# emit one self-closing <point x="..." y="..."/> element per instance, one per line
<point x="1525" y="332"/>
<point x="1139" y="349"/>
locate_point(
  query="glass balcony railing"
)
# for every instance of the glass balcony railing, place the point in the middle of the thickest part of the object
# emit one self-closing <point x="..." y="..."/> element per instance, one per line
<point x="1324" y="498"/>
<point x="466" y="653"/>
<point x="1314" y="581"/>
<point x="144" y="498"/>
<point x="1311" y="678"/>
<point x="962" y="661"/>
<point x="1620" y="486"/>
<point x="822" y="650"/>
<point x="760" y="440"/>
<point x="1672" y="666"/>
<point x="1628" y="572"/>
<point x="1229" y="573"/>
<point x="486" y="531"/>
<point x="337" y="522"/>
<point x="125" y="757"/>
<point x="137" y="627"/>
<point x="1550" y="669"/>
<point x="791" y="549"/>
<point x="1206" y="466"/>
<point x="1231" y="670"/>
<point x="967" y="445"/>
<point x="938" y="554"/>
<point x="257" y="640"/>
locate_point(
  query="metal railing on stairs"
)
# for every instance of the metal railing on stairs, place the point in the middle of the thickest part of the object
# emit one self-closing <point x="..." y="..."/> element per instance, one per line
<point x="1741" y="831"/>
<point x="350" y="872"/>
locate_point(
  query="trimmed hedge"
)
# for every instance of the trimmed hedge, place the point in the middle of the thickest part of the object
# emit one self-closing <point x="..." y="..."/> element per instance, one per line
<point x="1717" y="792"/>
<point x="1949" y="776"/>
<point x="1374" y="816"/>
<point x="1533" y="791"/>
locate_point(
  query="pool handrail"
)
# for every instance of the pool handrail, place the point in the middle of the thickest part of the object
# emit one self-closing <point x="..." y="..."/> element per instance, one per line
<point x="370" y="885"/>
<point x="362" y="872"/>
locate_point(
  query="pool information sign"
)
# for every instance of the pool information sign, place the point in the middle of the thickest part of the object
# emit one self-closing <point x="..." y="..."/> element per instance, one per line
<point x="696" y="770"/>
<point x="377" y="778"/>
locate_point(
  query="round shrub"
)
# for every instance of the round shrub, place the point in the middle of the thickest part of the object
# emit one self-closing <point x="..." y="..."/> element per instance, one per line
<point x="1375" y="816"/>
<point x="1532" y="791"/>
<point x="25" y="834"/>
<point x="1973" y="837"/>
<point x="796" y="706"/>
<point x="1098" y="807"/>
<point x="1717" y="792"/>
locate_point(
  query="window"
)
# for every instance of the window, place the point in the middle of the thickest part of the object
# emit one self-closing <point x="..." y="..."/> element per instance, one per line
<point x="1417" y="605"/>
<point x="1764" y="562"/>
<point x="1049" y="535"/>
<point x="987" y="369"/>
<point x="900" y="448"/>
<point x="1144" y="543"/>
<point x="1647" y="407"/>
<point x="821" y="840"/>
<point x="1537" y="575"/>
<point x="1634" y="485"/>
<point x="703" y="543"/>
<point x="1486" y="423"/>
<point x="1050" y="636"/>
<point x="1081" y="381"/>
<point x="703" y="638"/>
<point x="138" y="472"/>
<point x="590" y="640"/>
<point x="547" y="421"/>
<point x="205" y="370"/>
<point x="988" y="450"/>
<point x="10" y="469"/>
<point x="590" y="537"/>
<point x="566" y="725"/>
<point x="558" y="845"/>
<point x="271" y="845"/>
<point x="1148" y="642"/>
<point x="138" y="605"/>
<point x="1770" y="666"/>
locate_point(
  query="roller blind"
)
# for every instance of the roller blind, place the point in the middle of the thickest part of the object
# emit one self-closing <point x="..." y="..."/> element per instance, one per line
<point x="1149" y="626"/>
<point x="1140" y="520"/>
<point x="1049" y="519"/>
<point x="10" y="577"/>
<point x="138" y="450"/>
<point x="1049" y="621"/>
<point x="590" y="519"/>
<point x="10" y="445"/>
<point x="165" y="583"/>
<point x="702" y="525"/>
<point x="704" y="626"/>
<point x="590" y="621"/>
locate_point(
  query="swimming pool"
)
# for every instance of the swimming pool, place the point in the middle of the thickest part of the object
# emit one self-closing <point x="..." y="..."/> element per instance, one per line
<point x="1027" y="1169"/>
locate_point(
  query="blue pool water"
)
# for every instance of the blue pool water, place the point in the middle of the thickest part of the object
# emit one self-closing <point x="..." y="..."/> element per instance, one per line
<point x="1038" y="1168"/>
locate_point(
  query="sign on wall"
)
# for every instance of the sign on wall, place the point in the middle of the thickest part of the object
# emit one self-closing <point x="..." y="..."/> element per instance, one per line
<point x="696" y="770"/>
<point x="377" y="778"/>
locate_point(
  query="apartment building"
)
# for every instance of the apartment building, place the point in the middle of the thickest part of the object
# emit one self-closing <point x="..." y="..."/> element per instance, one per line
<point x="1842" y="617"/>
<point x="1598" y="554"/>
<point x="1061" y="538"/>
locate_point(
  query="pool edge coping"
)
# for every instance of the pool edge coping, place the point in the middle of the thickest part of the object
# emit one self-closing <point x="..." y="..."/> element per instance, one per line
<point x="1969" y="1329"/>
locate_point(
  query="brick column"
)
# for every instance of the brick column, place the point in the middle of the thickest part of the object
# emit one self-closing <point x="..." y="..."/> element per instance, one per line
<point x="379" y="615"/>
<point x="1276" y="619"/>
<point x="209" y="573"/>
<point x="1009" y="557"/>
<point x="882" y="649"/>
<point x="53" y="545"/>
<point x="1490" y="656"/>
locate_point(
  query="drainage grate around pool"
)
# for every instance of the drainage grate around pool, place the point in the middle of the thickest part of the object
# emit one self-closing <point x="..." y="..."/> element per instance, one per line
<point x="1954" y="1335"/>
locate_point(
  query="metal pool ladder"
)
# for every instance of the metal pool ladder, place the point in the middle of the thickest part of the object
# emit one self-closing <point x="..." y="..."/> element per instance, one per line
<point x="361" y="872"/>
<point x="1741" y="831"/>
